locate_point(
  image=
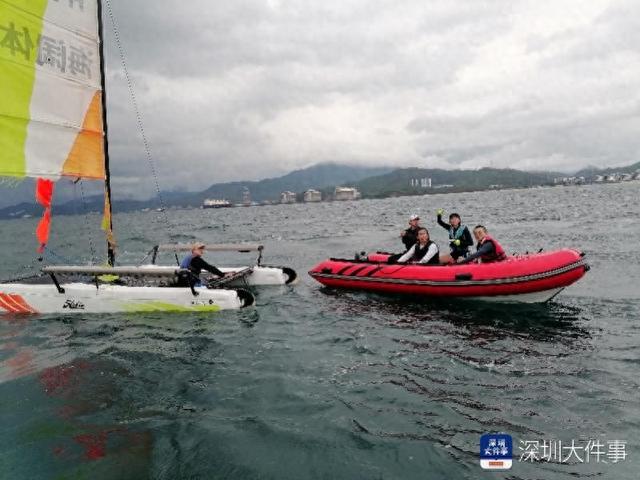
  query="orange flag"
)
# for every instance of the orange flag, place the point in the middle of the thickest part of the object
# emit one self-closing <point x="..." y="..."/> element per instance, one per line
<point x="44" y="192"/>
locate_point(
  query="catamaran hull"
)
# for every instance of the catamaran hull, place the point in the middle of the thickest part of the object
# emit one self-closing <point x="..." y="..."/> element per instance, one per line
<point x="86" y="298"/>
<point x="263" y="276"/>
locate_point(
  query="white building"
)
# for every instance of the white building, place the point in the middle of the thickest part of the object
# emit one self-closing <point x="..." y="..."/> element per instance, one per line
<point x="346" y="193"/>
<point x="312" y="195"/>
<point x="287" y="197"/>
<point x="421" y="182"/>
<point x="246" y="197"/>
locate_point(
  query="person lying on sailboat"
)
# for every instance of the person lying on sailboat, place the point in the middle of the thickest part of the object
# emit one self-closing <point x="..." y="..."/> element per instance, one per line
<point x="195" y="263"/>
<point x="425" y="251"/>
<point x="487" y="250"/>
<point x="459" y="236"/>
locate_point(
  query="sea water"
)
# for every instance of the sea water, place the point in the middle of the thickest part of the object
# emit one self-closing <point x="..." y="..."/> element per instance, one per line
<point x="319" y="384"/>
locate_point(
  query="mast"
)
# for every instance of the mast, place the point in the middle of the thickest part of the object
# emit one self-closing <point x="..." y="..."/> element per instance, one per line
<point x="111" y="254"/>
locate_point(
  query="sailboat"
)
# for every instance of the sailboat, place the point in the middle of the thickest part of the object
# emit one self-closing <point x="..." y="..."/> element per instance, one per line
<point x="257" y="274"/>
<point x="53" y="125"/>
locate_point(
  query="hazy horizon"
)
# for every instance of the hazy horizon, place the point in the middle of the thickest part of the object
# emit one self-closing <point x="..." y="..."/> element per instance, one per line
<point x="22" y="191"/>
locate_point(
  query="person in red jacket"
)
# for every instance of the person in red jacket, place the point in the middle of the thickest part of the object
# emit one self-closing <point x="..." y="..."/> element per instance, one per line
<point x="487" y="250"/>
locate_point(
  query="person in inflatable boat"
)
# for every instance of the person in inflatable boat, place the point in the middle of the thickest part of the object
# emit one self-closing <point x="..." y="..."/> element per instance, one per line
<point x="195" y="263"/>
<point x="424" y="251"/>
<point x="487" y="250"/>
<point x="410" y="235"/>
<point x="459" y="235"/>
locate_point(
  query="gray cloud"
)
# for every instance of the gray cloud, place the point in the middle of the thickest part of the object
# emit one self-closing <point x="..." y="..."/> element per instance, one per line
<point x="248" y="89"/>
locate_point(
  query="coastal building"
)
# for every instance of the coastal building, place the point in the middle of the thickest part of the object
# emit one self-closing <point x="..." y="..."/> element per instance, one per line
<point x="346" y="193"/>
<point x="312" y="195"/>
<point x="421" y="182"/>
<point x="287" y="197"/>
<point x="569" y="181"/>
<point x="246" y="197"/>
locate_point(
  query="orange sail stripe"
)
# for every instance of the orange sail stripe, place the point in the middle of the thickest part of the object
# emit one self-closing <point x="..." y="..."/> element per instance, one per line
<point x="21" y="302"/>
<point x="86" y="158"/>
<point x="8" y="306"/>
<point x="10" y="301"/>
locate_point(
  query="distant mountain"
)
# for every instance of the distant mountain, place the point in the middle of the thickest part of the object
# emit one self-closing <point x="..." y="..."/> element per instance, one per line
<point x="14" y="192"/>
<point x="399" y="182"/>
<point x="373" y="182"/>
<point x="318" y="176"/>
<point x="94" y="203"/>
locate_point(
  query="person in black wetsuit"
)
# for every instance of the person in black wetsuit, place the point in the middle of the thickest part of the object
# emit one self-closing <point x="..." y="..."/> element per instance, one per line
<point x="459" y="236"/>
<point x="410" y="235"/>
<point x="195" y="263"/>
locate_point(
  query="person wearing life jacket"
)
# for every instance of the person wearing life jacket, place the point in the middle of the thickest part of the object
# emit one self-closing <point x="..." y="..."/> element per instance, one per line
<point x="410" y="235"/>
<point x="459" y="236"/>
<point x="424" y="251"/>
<point x="487" y="250"/>
<point x="195" y="264"/>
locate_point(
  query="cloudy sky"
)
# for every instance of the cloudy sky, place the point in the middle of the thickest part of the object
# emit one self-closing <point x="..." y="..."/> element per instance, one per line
<point x="247" y="89"/>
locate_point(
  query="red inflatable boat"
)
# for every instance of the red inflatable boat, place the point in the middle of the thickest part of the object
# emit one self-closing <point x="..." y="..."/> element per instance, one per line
<point x="524" y="278"/>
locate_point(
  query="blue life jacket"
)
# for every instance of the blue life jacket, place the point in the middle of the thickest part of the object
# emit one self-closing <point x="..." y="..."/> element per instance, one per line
<point x="186" y="261"/>
<point x="456" y="234"/>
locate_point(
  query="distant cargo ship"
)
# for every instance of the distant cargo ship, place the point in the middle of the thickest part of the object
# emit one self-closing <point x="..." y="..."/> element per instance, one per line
<point x="216" y="203"/>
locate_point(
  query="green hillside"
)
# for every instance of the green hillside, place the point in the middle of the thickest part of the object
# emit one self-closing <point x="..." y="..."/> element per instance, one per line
<point x="398" y="182"/>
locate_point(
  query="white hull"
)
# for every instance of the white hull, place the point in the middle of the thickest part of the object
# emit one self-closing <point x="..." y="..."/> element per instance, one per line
<point x="534" y="297"/>
<point x="261" y="276"/>
<point x="86" y="298"/>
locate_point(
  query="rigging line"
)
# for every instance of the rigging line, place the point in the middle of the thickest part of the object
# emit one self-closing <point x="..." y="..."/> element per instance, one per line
<point x="136" y="109"/>
<point x="11" y="182"/>
<point x="55" y="256"/>
<point x="22" y="278"/>
<point x="21" y="272"/>
<point x="86" y="219"/>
